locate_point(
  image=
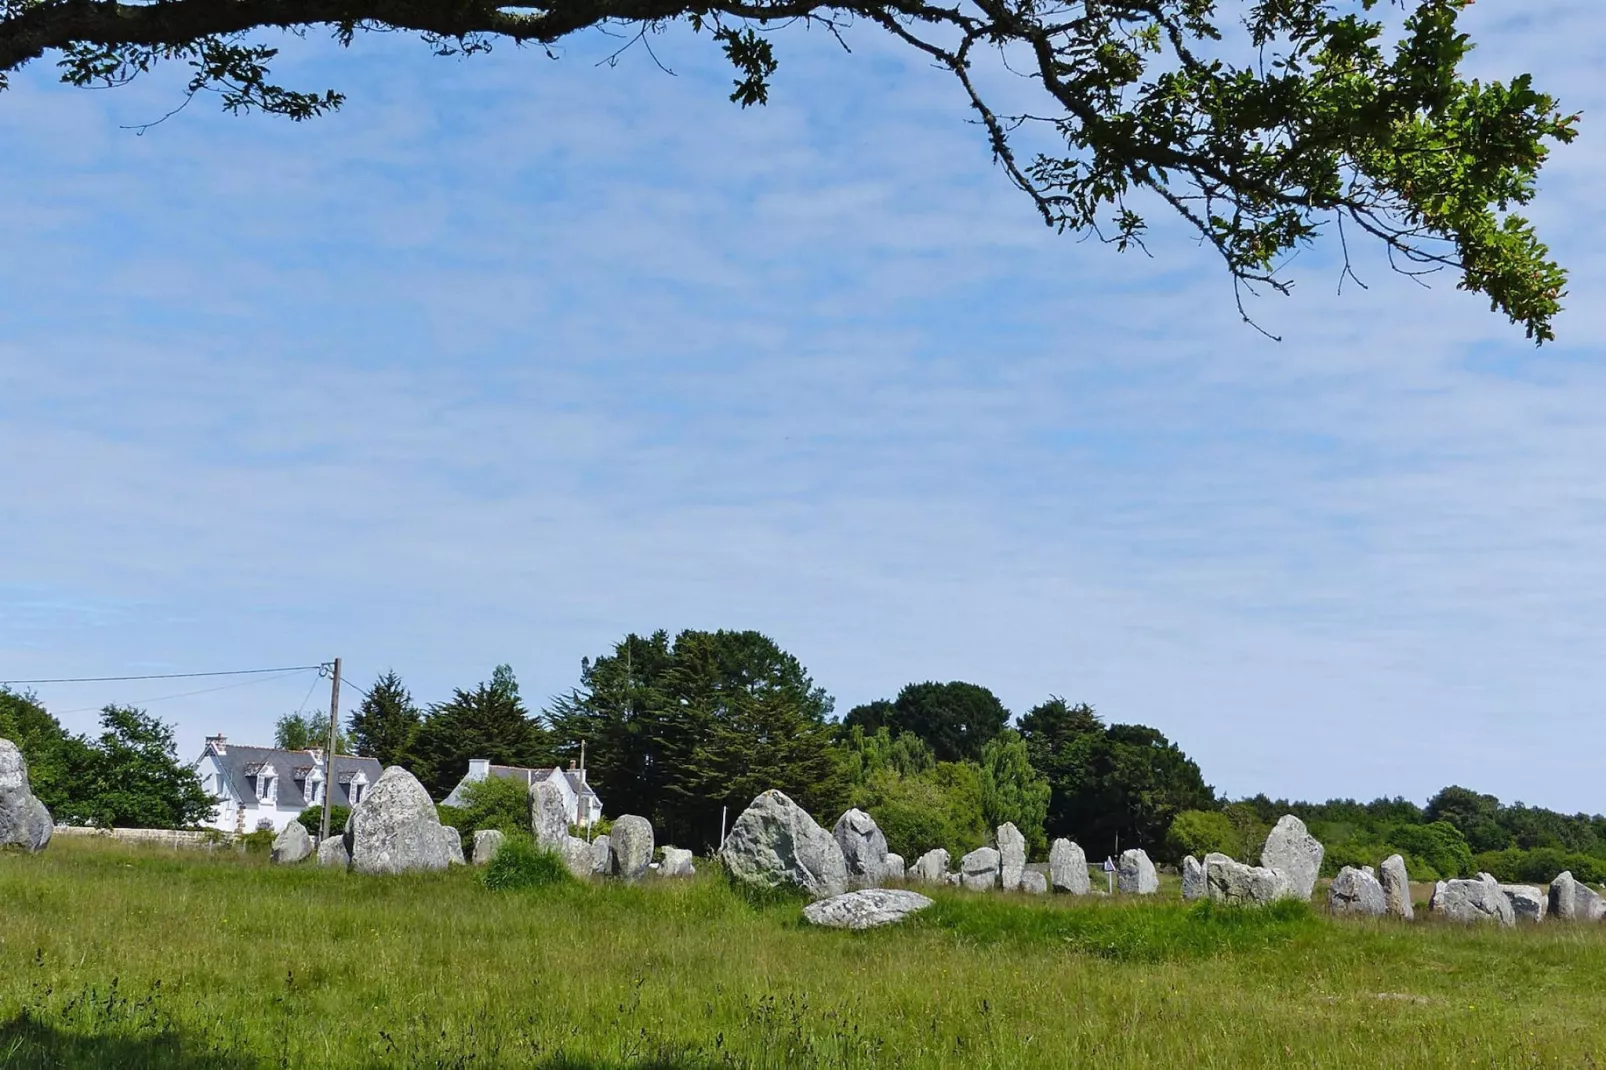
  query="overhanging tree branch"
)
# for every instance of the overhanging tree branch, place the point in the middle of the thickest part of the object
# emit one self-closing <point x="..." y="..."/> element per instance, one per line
<point x="1321" y="122"/>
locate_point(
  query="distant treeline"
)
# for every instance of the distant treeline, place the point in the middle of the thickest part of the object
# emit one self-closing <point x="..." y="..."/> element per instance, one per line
<point x="687" y="730"/>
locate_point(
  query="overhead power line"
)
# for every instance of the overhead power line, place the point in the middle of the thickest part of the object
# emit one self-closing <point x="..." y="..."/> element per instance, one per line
<point x="159" y="676"/>
<point x="209" y="690"/>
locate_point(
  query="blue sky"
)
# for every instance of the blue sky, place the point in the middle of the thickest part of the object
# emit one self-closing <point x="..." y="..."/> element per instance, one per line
<point x="512" y="356"/>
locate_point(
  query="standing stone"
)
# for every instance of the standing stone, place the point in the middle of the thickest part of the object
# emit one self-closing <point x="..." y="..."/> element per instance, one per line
<point x="1292" y="851"/>
<point x="601" y="855"/>
<point x="978" y="870"/>
<point x="577" y="857"/>
<point x="1355" y="891"/>
<point x="931" y="867"/>
<point x="630" y="847"/>
<point x="1472" y="900"/>
<point x="677" y="863"/>
<point x="24" y="821"/>
<point x="1396" y="887"/>
<point x="1230" y="881"/>
<point x="486" y="843"/>
<point x="395" y="828"/>
<point x="1528" y="902"/>
<point x="865" y="909"/>
<point x="864" y="848"/>
<point x="1193" y="878"/>
<point x="1034" y="883"/>
<point x="775" y="842"/>
<point x="894" y="871"/>
<point x="1135" y="874"/>
<point x="453" y="841"/>
<point x="1011" y="855"/>
<point x="1067" y="868"/>
<point x="292" y="845"/>
<point x="1572" y="901"/>
<point x="332" y="852"/>
<point x="549" y="821"/>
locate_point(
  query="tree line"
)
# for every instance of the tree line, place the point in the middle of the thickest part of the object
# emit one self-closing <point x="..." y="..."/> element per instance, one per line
<point x="686" y="730"/>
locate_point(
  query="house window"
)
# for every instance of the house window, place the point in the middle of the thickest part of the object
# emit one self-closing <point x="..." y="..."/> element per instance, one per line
<point x="356" y="793"/>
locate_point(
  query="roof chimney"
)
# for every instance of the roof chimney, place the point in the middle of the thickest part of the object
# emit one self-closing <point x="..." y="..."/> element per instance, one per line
<point x="218" y="744"/>
<point x="479" y="768"/>
<point x="573" y="765"/>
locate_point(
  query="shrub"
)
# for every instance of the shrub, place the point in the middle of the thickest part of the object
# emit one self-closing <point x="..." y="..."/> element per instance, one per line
<point x="259" y="842"/>
<point x="1539" y="865"/>
<point x="312" y="819"/>
<point x="520" y="864"/>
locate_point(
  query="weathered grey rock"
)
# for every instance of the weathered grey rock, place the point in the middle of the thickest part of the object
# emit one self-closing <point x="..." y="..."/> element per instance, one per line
<point x="677" y="863"/>
<point x="24" y="821"/>
<point x="292" y="845"/>
<point x="776" y="842"/>
<point x="931" y="867"/>
<point x="486" y="843"/>
<point x="1528" y="902"/>
<point x="395" y="828"/>
<point x="865" y="909"/>
<point x="978" y="870"/>
<point x="1396" y="884"/>
<point x="1193" y="878"/>
<point x="453" y="842"/>
<point x="601" y="855"/>
<point x="630" y="847"/>
<point x="1472" y="901"/>
<point x="1011" y="855"/>
<point x="577" y="858"/>
<point x="1067" y="868"/>
<point x="955" y="878"/>
<point x="1034" y="883"/>
<point x="895" y="868"/>
<point x="1292" y="851"/>
<point x="864" y="848"/>
<point x="1230" y="881"/>
<point x="1571" y="900"/>
<point x="1355" y="891"/>
<point x="332" y="852"/>
<point x="1135" y="874"/>
<point x="549" y="821"/>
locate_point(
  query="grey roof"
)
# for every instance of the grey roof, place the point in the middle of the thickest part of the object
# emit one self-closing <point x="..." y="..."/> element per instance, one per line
<point x="529" y="776"/>
<point x="241" y="764"/>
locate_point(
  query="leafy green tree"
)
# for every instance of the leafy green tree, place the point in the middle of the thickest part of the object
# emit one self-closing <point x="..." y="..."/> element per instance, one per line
<point x="860" y="754"/>
<point x="675" y="731"/>
<point x="956" y="719"/>
<point x="382" y="727"/>
<point x="135" y="778"/>
<point x="307" y="731"/>
<point x="311" y="819"/>
<point x="1259" y="124"/>
<point x="939" y="807"/>
<point x="488" y="722"/>
<point x="57" y="760"/>
<point x="1060" y="742"/>
<point x="1011" y="790"/>
<point x="1477" y="816"/>
<point x="1438" y="845"/>
<point x="1198" y="833"/>
<point x="1121" y="784"/>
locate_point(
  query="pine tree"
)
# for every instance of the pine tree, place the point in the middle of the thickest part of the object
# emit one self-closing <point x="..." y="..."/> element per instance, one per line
<point x="383" y="725"/>
<point x="488" y="722"/>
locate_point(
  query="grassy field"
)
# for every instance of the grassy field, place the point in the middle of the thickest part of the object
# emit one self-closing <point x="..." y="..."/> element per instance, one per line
<point x="118" y="956"/>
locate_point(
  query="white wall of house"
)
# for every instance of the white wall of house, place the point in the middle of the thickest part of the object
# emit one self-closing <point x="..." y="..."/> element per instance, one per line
<point x="230" y="816"/>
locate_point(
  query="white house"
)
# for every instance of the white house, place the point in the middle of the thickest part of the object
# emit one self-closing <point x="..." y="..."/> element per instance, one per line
<point x="265" y="787"/>
<point x="581" y="803"/>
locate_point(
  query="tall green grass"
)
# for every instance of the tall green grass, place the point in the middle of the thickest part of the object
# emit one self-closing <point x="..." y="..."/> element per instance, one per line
<point x="114" y="956"/>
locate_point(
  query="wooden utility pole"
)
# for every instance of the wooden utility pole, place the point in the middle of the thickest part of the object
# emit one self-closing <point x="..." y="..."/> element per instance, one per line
<point x="329" y="756"/>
